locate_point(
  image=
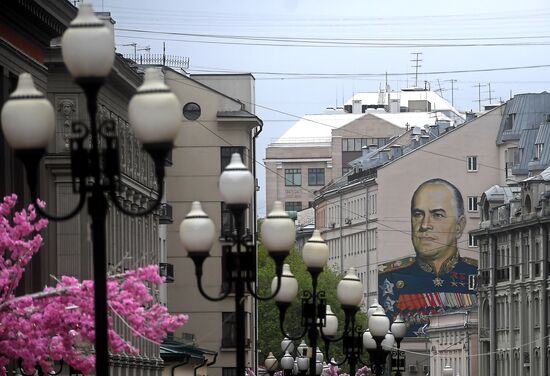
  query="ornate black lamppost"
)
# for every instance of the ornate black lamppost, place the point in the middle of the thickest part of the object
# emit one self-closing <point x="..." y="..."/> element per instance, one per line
<point x="28" y="125"/>
<point x="349" y="293"/>
<point x="315" y="255"/>
<point x="197" y="234"/>
<point x="399" y="329"/>
<point x="379" y="340"/>
<point x="315" y="317"/>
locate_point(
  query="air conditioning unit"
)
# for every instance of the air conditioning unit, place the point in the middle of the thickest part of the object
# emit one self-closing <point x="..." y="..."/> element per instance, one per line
<point x="413" y="368"/>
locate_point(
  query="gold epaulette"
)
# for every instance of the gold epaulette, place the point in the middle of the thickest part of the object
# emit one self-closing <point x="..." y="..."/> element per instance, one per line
<point x="469" y="261"/>
<point x="392" y="266"/>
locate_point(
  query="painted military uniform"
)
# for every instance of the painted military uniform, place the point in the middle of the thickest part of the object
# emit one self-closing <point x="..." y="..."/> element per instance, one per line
<point x="412" y="287"/>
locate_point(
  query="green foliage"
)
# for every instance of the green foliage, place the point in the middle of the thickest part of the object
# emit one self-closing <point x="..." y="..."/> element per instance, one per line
<point x="269" y="331"/>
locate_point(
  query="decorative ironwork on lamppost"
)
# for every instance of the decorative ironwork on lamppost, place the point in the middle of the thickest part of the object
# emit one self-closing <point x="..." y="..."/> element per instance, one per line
<point x="39" y="372"/>
<point x="378" y="340"/>
<point x="197" y="234"/>
<point x="399" y="329"/>
<point x="315" y="255"/>
<point x="28" y="125"/>
<point x="349" y="293"/>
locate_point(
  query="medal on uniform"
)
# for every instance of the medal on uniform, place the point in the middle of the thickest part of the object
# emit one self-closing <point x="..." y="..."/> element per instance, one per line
<point x="438" y="282"/>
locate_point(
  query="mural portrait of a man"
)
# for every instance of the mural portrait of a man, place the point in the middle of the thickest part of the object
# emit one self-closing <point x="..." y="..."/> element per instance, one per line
<point x="437" y="278"/>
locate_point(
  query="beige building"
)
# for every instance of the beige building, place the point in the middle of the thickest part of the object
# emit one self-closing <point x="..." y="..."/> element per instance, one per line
<point x="218" y="120"/>
<point x="498" y="146"/>
<point x="453" y="342"/>
<point x="317" y="149"/>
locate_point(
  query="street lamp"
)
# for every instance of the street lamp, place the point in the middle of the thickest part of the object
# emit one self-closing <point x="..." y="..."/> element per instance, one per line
<point x="197" y="233"/>
<point x="28" y="125"/>
<point x="399" y="329"/>
<point x="447" y="371"/>
<point x="271" y="364"/>
<point x="378" y="340"/>
<point x="349" y="293"/>
<point x="287" y="363"/>
<point x="315" y="254"/>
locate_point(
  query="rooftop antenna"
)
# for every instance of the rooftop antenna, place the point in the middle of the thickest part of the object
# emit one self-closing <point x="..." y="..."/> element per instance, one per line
<point x="416" y="65"/>
<point x="134" y="44"/>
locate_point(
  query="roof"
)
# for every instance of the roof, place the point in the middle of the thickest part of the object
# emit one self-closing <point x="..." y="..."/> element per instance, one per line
<point x="317" y="128"/>
<point x="524" y="111"/>
<point x="501" y="194"/>
<point x="404" y="96"/>
<point x="411" y="119"/>
<point x="171" y="349"/>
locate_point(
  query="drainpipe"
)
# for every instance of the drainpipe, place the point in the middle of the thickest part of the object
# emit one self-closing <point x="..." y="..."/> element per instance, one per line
<point x="173" y="370"/>
<point x="204" y="362"/>
<point x="467" y="327"/>
<point x="544" y="313"/>
<point x="341" y="235"/>
<point x="367" y="240"/>
<point x="257" y="132"/>
<point x="493" y="312"/>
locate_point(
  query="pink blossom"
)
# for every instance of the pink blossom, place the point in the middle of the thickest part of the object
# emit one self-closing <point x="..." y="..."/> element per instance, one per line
<point x="58" y="323"/>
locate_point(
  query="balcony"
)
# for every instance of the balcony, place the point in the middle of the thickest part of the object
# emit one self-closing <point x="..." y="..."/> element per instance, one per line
<point x="165" y="214"/>
<point x="167" y="271"/>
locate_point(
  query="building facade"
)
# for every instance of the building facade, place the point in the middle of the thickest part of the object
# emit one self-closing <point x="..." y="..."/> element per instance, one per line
<point x="317" y="149"/>
<point x="218" y="120"/>
<point x="366" y="216"/>
<point x="513" y="280"/>
<point x="453" y="342"/>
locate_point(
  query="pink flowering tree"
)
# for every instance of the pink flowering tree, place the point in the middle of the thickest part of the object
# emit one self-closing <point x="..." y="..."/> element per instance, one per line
<point x="58" y="322"/>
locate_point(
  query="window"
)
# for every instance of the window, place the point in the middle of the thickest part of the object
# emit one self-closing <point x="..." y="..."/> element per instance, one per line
<point x="472" y="203"/>
<point x="227" y="151"/>
<point x="472" y="241"/>
<point x="472" y="163"/>
<point x="229" y="336"/>
<point x="293" y="206"/>
<point x="356" y="144"/>
<point x="293" y="177"/>
<point x="538" y="151"/>
<point x="316" y="176"/>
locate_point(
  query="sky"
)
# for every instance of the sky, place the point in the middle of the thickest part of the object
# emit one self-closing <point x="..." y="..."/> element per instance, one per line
<point x="307" y="55"/>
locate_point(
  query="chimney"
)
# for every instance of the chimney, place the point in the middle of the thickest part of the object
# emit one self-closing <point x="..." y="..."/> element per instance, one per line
<point x="443" y="125"/>
<point x="434" y="130"/>
<point x="364" y="150"/>
<point x="384" y="155"/>
<point x="424" y="139"/>
<point x="396" y="151"/>
<point x="372" y="147"/>
<point x="356" y="106"/>
<point x="395" y="106"/>
<point x="470" y="115"/>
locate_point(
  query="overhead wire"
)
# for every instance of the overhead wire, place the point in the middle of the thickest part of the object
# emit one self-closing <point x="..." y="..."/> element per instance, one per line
<point x="349" y="211"/>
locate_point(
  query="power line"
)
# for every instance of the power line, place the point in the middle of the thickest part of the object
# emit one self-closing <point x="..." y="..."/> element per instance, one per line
<point x="302" y="42"/>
